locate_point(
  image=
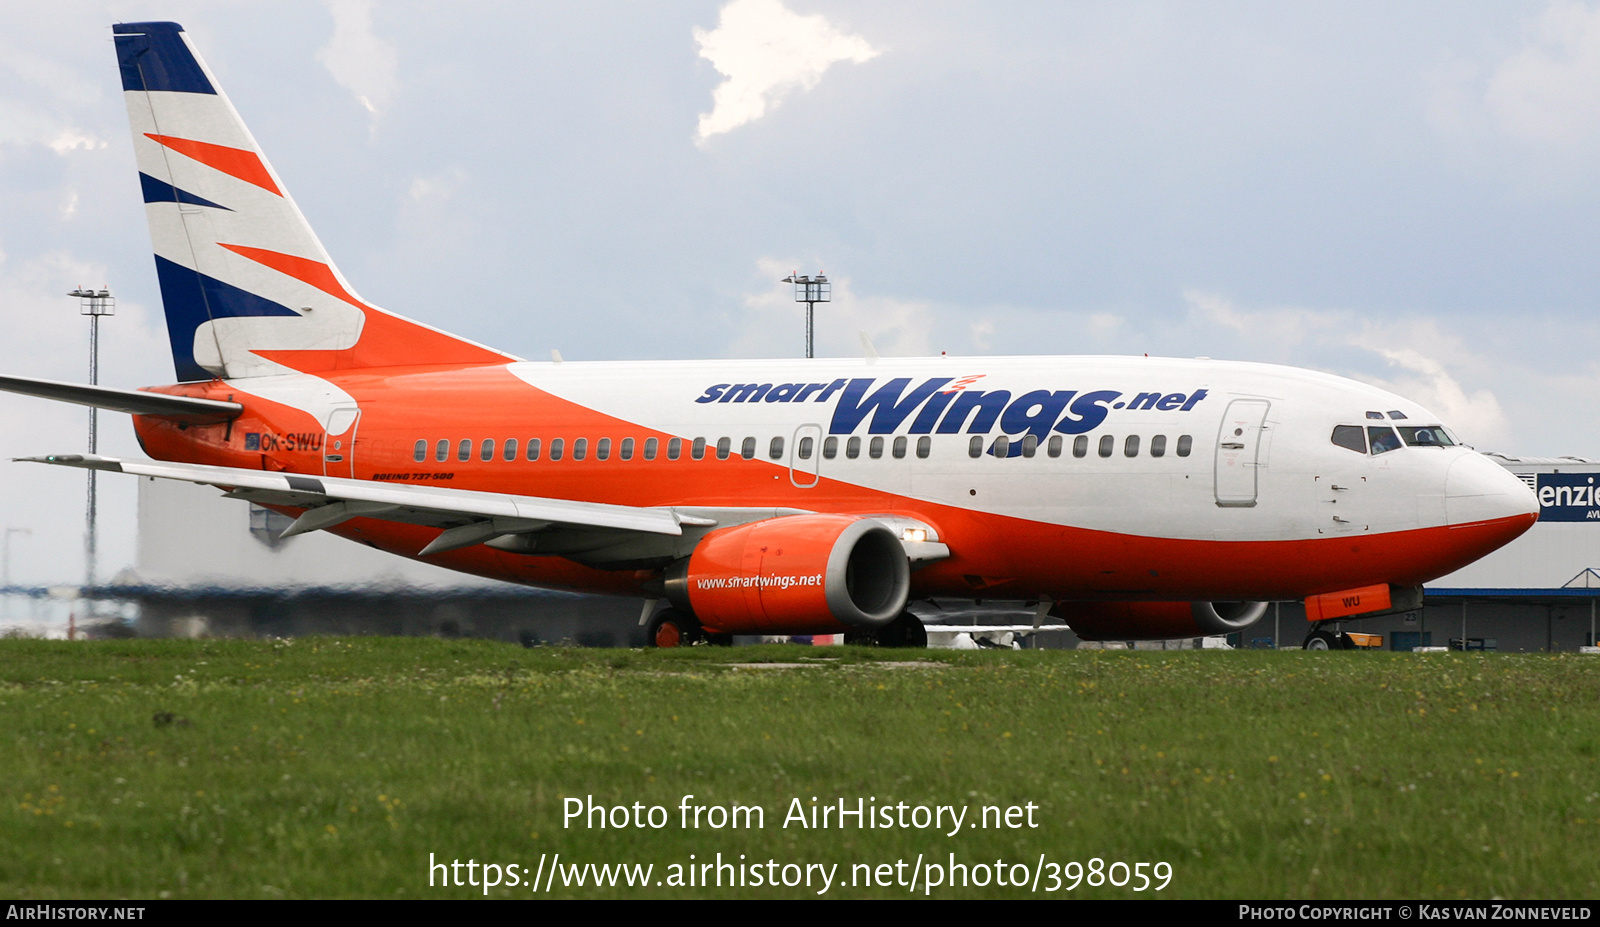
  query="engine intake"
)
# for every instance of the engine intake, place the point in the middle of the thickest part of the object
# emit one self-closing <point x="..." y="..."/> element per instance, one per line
<point x="799" y="574"/>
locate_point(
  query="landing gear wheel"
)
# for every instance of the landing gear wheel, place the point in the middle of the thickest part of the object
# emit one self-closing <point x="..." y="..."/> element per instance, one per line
<point x="905" y="630"/>
<point x="1325" y="640"/>
<point x="672" y="628"/>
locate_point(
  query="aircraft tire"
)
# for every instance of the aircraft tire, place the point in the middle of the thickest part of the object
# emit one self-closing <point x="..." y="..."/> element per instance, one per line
<point x="672" y="628"/>
<point x="906" y="630"/>
<point x="1324" y="640"/>
<point x="913" y="633"/>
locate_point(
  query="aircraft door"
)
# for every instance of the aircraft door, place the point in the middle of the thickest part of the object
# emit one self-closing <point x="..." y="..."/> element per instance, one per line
<point x="1238" y="451"/>
<point x="805" y="456"/>
<point x="339" y="442"/>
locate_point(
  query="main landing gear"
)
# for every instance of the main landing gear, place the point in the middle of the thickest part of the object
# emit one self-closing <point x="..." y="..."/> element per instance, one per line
<point x="673" y="628"/>
<point x="905" y="630"/>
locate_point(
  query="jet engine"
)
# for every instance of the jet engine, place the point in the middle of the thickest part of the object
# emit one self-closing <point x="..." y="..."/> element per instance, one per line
<point x="1154" y="621"/>
<point x="798" y="574"/>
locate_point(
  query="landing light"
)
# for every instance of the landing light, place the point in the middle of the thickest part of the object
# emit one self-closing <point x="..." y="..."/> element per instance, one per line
<point x="914" y="534"/>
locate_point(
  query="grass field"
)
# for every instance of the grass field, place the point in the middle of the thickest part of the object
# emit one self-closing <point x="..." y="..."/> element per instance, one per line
<point x="335" y="767"/>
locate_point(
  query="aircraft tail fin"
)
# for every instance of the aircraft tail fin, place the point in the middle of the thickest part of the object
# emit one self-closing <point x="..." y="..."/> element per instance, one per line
<point x="247" y="288"/>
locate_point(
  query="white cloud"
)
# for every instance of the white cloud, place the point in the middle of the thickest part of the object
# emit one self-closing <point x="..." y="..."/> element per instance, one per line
<point x="359" y="61"/>
<point x="1419" y="350"/>
<point x="1548" y="92"/>
<point x="1425" y="380"/>
<point x="1533" y="114"/>
<point x="71" y="139"/>
<point x="982" y="332"/>
<point x="765" y="51"/>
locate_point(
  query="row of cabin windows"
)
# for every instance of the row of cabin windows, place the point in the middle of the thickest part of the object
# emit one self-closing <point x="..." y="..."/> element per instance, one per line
<point x="1080" y="446"/>
<point x="875" y="447"/>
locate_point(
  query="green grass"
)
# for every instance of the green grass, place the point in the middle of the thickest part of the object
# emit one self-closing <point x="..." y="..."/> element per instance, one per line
<point x="334" y="767"/>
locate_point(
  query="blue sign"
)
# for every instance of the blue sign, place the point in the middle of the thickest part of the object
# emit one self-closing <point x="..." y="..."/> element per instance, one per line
<point x="1568" y="497"/>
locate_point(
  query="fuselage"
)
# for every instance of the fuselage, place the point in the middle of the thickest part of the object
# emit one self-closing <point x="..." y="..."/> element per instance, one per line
<point x="1047" y="477"/>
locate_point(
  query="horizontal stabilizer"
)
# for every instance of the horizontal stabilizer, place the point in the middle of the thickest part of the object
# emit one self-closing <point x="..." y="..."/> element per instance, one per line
<point x="135" y="401"/>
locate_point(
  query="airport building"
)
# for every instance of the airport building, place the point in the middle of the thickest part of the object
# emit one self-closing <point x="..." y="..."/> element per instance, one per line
<point x="208" y="565"/>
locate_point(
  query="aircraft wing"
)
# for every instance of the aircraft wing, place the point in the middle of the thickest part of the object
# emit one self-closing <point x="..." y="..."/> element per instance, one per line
<point x="468" y="517"/>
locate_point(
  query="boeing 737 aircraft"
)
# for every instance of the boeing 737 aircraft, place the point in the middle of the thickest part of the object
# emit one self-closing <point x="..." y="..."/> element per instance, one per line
<point x="1134" y="497"/>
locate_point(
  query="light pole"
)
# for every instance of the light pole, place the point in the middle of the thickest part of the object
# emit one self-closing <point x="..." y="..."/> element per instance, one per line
<point x="810" y="290"/>
<point x="5" y="566"/>
<point x="94" y="304"/>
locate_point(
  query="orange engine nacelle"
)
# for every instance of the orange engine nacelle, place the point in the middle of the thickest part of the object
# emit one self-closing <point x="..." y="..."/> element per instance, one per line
<point x="1156" y="621"/>
<point x="798" y="574"/>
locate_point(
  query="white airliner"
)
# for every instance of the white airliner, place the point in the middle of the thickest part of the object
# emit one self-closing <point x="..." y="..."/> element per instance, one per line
<point x="1133" y="497"/>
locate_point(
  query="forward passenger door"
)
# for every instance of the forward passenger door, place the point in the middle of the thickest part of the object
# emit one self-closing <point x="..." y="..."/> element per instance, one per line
<point x="1238" y="452"/>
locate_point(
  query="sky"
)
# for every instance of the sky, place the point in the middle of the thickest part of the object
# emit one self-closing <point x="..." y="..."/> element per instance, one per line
<point x="1405" y="194"/>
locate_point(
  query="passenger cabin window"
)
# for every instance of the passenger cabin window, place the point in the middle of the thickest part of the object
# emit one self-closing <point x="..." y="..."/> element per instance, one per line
<point x="602" y="449"/>
<point x="747" y="448"/>
<point x="1080" y="446"/>
<point x="1002" y="446"/>
<point x="852" y="448"/>
<point x="724" y="448"/>
<point x="556" y="447"/>
<point x="1030" y="443"/>
<point x="420" y="452"/>
<point x="775" y="449"/>
<point x="1158" y="446"/>
<point x="806" y="446"/>
<point x="830" y="448"/>
<point x="1350" y="437"/>
<point x="899" y="447"/>
<point x="580" y="448"/>
<point x="1383" y="439"/>
<point x="533" y="448"/>
<point x="1185" y="445"/>
<point x="975" y="446"/>
<point x="486" y="450"/>
<point x="697" y="450"/>
<point x="924" y="447"/>
<point x="651" y="445"/>
<point x="1130" y="447"/>
<point x="875" y="449"/>
<point x="464" y="449"/>
<point x="626" y="450"/>
<point x="1107" y="445"/>
<point x="511" y="449"/>
<point x="441" y="452"/>
<point x="1054" y="447"/>
<point x="1425" y="436"/>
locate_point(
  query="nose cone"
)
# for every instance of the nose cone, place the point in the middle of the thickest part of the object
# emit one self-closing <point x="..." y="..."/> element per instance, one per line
<point x="1478" y="490"/>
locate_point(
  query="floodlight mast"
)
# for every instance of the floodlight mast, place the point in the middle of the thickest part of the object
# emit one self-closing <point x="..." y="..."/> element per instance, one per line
<point x="810" y="290"/>
<point x="94" y="304"/>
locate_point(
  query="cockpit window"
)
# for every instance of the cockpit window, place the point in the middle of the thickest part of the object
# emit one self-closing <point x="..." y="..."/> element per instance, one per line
<point x="1394" y="414"/>
<point x="1383" y="439"/>
<point x="1376" y="415"/>
<point x="1425" y="436"/>
<point x="1350" y="436"/>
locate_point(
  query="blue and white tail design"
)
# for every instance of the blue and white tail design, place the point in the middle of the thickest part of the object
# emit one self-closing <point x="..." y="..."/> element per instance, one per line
<point x="247" y="287"/>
